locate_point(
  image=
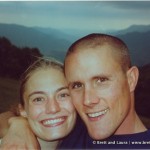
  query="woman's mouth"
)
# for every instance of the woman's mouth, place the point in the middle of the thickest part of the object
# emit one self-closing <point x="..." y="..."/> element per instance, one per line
<point x="53" y="122"/>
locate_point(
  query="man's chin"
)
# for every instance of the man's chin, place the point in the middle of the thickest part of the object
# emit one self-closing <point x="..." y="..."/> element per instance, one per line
<point x="97" y="135"/>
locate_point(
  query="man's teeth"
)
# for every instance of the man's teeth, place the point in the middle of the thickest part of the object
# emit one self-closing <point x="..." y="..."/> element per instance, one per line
<point x="51" y="122"/>
<point x="98" y="113"/>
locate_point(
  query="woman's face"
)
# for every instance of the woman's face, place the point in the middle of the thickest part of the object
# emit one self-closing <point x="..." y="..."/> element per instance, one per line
<point x="48" y="105"/>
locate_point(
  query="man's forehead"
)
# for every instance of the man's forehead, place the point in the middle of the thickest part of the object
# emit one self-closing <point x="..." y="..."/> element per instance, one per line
<point x="89" y="52"/>
<point x="91" y="63"/>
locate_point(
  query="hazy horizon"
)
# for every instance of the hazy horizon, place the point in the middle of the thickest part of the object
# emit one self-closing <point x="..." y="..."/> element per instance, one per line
<point x="77" y="15"/>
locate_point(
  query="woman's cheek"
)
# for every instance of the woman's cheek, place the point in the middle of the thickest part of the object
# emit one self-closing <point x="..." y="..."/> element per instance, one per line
<point x="69" y="106"/>
<point x="34" y="112"/>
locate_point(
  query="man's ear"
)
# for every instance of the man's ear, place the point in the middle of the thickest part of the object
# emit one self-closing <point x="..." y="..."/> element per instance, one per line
<point x="132" y="75"/>
<point x="22" y="111"/>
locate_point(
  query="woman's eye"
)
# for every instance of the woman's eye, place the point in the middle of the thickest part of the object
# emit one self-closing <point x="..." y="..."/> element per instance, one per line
<point x="64" y="95"/>
<point x="38" y="100"/>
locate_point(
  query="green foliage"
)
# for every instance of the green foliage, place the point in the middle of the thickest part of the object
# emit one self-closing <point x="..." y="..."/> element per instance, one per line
<point x="9" y="94"/>
<point x="13" y="60"/>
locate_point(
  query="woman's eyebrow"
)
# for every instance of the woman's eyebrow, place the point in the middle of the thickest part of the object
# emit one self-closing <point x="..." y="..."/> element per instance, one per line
<point x="62" y="88"/>
<point x="36" y="92"/>
<point x="42" y="92"/>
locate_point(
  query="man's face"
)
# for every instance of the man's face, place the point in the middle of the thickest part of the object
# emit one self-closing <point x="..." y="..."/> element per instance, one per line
<point x="99" y="90"/>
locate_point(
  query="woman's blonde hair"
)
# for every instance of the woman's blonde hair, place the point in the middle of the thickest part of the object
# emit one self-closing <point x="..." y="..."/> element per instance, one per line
<point x="40" y="63"/>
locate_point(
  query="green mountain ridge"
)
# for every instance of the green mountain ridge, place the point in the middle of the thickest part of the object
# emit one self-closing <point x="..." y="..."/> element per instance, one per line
<point x="54" y="43"/>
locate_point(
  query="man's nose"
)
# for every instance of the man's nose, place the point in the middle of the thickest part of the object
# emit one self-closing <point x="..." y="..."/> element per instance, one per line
<point x="90" y="97"/>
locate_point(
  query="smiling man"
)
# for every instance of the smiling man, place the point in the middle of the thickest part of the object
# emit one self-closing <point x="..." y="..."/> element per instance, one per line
<point x="101" y="82"/>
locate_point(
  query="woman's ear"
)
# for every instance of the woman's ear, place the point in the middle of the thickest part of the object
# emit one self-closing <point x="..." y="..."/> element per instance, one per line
<point x="132" y="75"/>
<point x="22" y="111"/>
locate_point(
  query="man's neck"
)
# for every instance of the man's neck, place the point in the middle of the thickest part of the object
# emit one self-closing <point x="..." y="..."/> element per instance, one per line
<point x="132" y="124"/>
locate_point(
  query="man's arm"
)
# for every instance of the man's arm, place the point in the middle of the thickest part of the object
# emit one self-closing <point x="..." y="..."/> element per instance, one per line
<point x="19" y="136"/>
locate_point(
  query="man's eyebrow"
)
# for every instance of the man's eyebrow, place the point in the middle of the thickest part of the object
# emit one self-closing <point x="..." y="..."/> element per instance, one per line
<point x="101" y="76"/>
<point x="73" y="82"/>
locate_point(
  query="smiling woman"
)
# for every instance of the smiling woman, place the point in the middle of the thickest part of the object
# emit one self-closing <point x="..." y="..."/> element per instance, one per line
<point x="46" y="103"/>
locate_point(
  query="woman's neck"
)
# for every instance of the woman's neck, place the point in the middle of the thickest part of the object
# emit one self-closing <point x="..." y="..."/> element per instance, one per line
<point x="48" y="145"/>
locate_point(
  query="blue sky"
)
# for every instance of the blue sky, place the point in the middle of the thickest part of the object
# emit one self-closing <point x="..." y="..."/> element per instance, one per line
<point x="85" y="15"/>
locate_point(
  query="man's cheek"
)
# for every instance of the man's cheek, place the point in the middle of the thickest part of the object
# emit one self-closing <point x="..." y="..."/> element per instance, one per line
<point x="76" y="102"/>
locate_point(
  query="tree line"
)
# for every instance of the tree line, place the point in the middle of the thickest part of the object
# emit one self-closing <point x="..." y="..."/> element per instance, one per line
<point x="14" y="60"/>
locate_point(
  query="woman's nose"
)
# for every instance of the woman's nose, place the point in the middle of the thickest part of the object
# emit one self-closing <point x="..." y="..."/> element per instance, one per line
<point x="52" y="106"/>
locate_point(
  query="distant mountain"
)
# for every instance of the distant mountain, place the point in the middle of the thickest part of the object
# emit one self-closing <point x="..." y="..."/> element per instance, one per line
<point x="139" y="46"/>
<point x="133" y="28"/>
<point x="53" y="42"/>
<point x="137" y="38"/>
<point x="59" y="33"/>
<point x="50" y="43"/>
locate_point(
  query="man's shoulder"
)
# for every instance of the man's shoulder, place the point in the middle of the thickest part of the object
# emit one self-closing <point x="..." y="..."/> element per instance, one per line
<point x="76" y="139"/>
<point x="129" y="141"/>
<point x="141" y="135"/>
<point x="79" y="139"/>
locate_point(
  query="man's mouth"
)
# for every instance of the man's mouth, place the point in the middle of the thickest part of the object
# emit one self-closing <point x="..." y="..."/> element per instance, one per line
<point x="97" y="114"/>
<point x="53" y="122"/>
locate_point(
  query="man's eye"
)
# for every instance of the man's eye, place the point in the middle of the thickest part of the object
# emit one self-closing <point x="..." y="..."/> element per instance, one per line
<point x="76" y="85"/>
<point x="101" y="79"/>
